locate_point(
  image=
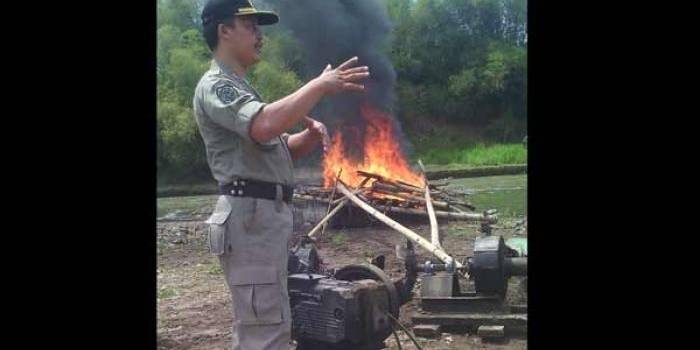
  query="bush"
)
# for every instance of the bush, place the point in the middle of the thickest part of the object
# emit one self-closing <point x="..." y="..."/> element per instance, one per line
<point x="272" y="81"/>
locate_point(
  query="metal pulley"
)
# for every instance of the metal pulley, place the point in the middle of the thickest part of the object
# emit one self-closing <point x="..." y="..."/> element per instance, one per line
<point x="493" y="263"/>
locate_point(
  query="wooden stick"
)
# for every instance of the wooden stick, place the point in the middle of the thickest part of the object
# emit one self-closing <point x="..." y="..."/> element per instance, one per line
<point x="476" y="217"/>
<point x="404" y="188"/>
<point x="384" y="186"/>
<point x="359" y="190"/>
<point x="413" y="198"/>
<point x="364" y="181"/>
<point x="327" y="217"/>
<point x="399" y="187"/>
<point x="408" y="185"/>
<point x="398" y="183"/>
<point x="310" y="197"/>
<point x="457" y="209"/>
<point x="398" y="227"/>
<point x="434" y="234"/>
<point x="330" y="199"/>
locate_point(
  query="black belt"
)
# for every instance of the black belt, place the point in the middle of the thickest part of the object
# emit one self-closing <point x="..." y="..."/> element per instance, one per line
<point x="256" y="189"/>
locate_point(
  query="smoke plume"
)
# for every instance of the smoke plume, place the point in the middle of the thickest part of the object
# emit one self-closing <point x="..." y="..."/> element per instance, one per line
<point x="332" y="31"/>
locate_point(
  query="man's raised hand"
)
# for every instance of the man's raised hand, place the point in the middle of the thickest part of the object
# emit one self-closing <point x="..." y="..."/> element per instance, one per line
<point x="343" y="77"/>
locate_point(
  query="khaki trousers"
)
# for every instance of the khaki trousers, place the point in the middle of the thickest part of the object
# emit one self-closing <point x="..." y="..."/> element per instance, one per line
<point x="250" y="237"/>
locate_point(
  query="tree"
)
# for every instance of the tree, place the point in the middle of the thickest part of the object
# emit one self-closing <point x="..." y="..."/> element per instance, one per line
<point x="463" y="61"/>
<point x="182" y="58"/>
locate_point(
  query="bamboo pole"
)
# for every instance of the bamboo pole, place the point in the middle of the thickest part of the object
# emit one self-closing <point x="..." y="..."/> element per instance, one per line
<point x="434" y="233"/>
<point x="398" y="227"/>
<point x="326" y="218"/>
<point x="330" y="199"/>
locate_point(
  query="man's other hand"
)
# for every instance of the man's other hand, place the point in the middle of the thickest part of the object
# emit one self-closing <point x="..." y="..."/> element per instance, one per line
<point x="318" y="130"/>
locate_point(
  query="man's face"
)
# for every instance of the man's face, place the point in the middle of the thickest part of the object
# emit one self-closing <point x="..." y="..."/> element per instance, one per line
<point x="245" y="40"/>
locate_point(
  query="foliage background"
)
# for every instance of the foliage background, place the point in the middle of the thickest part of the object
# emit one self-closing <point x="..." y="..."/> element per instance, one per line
<point x="461" y="87"/>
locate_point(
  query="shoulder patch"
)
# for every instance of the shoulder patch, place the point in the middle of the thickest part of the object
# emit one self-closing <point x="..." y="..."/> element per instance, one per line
<point x="227" y="93"/>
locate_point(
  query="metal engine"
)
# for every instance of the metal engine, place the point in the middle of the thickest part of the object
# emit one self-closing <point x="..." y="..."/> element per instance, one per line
<point x="347" y="308"/>
<point x="447" y="304"/>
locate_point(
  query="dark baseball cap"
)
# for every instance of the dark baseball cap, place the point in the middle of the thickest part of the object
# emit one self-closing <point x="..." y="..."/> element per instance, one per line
<point x="217" y="10"/>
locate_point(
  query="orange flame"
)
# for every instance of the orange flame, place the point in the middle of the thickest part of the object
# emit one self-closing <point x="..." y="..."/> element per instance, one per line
<point x="382" y="154"/>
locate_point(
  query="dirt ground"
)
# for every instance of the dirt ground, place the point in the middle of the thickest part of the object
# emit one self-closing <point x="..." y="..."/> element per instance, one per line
<point x="194" y="307"/>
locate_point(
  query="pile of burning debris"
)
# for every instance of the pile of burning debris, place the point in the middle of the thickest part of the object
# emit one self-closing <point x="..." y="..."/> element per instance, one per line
<point x="396" y="196"/>
<point x="382" y="178"/>
<point x="378" y="195"/>
<point x="381" y="183"/>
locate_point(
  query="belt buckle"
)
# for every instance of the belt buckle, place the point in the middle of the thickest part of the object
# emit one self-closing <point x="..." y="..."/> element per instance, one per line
<point x="237" y="188"/>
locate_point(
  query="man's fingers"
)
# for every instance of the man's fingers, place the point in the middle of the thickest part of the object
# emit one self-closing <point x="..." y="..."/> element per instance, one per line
<point x="328" y="67"/>
<point x="355" y="76"/>
<point x="353" y="87"/>
<point x="347" y="64"/>
<point x="356" y="70"/>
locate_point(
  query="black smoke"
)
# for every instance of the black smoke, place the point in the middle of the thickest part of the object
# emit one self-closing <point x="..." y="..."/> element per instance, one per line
<point x="332" y="31"/>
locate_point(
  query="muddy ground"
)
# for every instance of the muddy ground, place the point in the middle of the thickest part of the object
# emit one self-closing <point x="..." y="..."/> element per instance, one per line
<point x="194" y="309"/>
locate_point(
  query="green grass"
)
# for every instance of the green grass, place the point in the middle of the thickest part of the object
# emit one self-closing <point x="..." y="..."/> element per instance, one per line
<point x="506" y="193"/>
<point x="460" y="231"/>
<point x="215" y="269"/>
<point x="475" y="155"/>
<point x="188" y="204"/>
<point x="185" y="189"/>
<point x="167" y="292"/>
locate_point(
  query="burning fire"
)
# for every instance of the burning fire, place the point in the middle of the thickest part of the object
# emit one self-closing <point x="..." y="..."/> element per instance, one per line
<point x="382" y="154"/>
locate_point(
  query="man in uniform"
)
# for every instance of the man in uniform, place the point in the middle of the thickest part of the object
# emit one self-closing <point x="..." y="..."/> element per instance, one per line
<point x="250" y="156"/>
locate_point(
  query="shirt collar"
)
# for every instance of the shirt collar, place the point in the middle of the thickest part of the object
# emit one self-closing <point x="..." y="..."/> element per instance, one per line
<point x="223" y="68"/>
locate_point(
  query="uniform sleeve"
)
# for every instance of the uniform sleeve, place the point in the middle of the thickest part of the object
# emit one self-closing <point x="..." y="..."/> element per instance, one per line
<point x="232" y="107"/>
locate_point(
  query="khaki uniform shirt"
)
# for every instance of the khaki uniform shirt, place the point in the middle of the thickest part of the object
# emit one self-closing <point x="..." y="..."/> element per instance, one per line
<point x="249" y="235"/>
<point x="224" y="106"/>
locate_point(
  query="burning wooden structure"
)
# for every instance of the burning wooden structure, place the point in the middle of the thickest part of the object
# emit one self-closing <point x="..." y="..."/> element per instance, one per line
<point x="381" y="186"/>
<point x="397" y="198"/>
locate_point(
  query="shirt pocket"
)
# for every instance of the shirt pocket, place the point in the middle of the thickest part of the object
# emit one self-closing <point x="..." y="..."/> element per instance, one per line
<point x="257" y="295"/>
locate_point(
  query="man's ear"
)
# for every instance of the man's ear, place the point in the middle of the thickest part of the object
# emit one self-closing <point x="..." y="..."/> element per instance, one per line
<point x="223" y="30"/>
